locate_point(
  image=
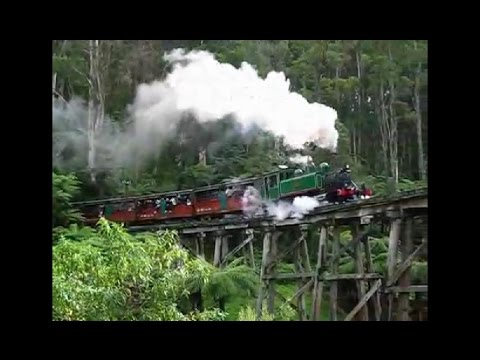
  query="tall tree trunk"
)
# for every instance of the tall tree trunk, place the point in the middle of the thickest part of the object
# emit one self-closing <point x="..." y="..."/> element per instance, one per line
<point x="196" y="300"/>
<point x="337" y="91"/>
<point x="418" y="113"/>
<point x="96" y="105"/>
<point x="356" y="149"/>
<point x="393" y="136"/>
<point x="61" y="94"/>
<point x="384" y="129"/>
<point x="54" y="87"/>
<point x="202" y="156"/>
<point x="221" y="304"/>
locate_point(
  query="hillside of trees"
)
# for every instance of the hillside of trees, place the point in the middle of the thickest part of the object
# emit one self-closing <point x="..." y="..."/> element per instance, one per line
<point x="378" y="87"/>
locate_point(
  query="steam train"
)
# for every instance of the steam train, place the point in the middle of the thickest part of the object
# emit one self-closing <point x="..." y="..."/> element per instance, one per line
<point x="228" y="197"/>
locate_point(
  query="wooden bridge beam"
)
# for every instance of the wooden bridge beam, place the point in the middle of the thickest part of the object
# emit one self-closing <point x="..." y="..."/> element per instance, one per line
<point x="248" y="238"/>
<point x="334" y="269"/>
<point x="395" y="227"/>
<point x="377" y="307"/>
<point x="200" y="245"/>
<point x="359" y="266"/>
<point x="404" y="281"/>
<point x="264" y="268"/>
<point x="318" y="283"/>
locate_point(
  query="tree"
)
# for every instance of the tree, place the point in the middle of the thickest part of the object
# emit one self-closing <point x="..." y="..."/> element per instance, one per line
<point x="64" y="189"/>
<point x="224" y="282"/>
<point x="378" y="88"/>
<point x="283" y="313"/>
<point x="116" y="276"/>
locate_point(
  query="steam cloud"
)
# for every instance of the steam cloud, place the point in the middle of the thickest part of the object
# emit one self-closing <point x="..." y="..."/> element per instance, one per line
<point x="301" y="159"/>
<point x="204" y="88"/>
<point x="253" y="205"/>
<point x="210" y="90"/>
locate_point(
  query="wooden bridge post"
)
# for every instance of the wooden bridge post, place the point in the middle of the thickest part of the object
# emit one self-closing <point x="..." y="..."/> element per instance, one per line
<point x="318" y="285"/>
<point x="263" y="268"/>
<point x="334" y="267"/>
<point x="250" y="233"/>
<point x="224" y="250"/>
<point x="404" y="281"/>
<point x="247" y="238"/>
<point x="271" y="282"/>
<point x="218" y="248"/>
<point x="359" y="267"/>
<point x="200" y="245"/>
<point x="302" y="263"/>
<point x="370" y="269"/>
<point x="395" y="227"/>
<point x="267" y="271"/>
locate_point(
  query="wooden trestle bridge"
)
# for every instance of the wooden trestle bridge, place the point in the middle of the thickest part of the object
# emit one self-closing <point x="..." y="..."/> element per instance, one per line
<point x="378" y="298"/>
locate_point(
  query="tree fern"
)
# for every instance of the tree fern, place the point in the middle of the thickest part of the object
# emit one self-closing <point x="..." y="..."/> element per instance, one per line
<point x="419" y="272"/>
<point x="64" y="189"/>
<point x="234" y="278"/>
<point x="123" y="278"/>
<point x="284" y="312"/>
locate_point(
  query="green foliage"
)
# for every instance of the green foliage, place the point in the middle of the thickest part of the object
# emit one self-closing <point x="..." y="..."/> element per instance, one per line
<point x="249" y="314"/>
<point x="221" y="284"/>
<point x="207" y="315"/>
<point x="118" y="277"/>
<point x="419" y="272"/>
<point x="64" y="189"/>
<point x="74" y="233"/>
<point x="347" y="75"/>
<point x="379" y="184"/>
<point x="283" y="267"/>
<point x="379" y="251"/>
<point x="284" y="312"/>
<point x="197" y="175"/>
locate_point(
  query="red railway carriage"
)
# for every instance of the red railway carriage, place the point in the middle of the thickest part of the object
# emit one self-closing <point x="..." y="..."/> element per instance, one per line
<point x="219" y="199"/>
<point x="140" y="209"/>
<point x="161" y="206"/>
<point x="121" y="211"/>
<point x="207" y="201"/>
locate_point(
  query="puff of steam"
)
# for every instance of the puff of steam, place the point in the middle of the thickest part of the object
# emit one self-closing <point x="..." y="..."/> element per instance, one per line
<point x="301" y="159"/>
<point x="201" y="85"/>
<point x="302" y="205"/>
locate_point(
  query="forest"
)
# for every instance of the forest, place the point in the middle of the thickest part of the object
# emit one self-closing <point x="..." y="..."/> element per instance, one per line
<point x="377" y="87"/>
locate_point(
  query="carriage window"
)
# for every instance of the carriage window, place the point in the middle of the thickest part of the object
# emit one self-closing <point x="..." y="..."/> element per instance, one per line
<point x="91" y="210"/>
<point x="117" y="206"/>
<point x="273" y="181"/>
<point x="206" y="195"/>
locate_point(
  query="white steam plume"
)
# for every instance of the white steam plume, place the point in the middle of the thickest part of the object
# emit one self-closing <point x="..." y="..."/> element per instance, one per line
<point x="70" y="139"/>
<point x="253" y="205"/>
<point x="210" y="90"/>
<point x="301" y="159"/>
<point x="201" y="86"/>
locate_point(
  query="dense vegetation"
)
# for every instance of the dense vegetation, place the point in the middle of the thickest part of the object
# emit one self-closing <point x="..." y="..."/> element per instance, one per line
<point x="379" y="90"/>
<point x="378" y="87"/>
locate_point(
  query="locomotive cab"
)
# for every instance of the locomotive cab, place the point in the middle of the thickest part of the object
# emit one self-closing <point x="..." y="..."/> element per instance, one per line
<point x="341" y="188"/>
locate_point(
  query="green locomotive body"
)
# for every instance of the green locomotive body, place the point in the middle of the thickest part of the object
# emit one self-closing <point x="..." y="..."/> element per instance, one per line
<point x="288" y="183"/>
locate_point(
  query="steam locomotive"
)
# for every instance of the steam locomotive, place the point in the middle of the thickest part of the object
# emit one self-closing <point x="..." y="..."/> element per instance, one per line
<point x="228" y="197"/>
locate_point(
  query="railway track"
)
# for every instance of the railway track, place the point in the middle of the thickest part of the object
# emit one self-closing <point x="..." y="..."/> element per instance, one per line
<point x="243" y="221"/>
